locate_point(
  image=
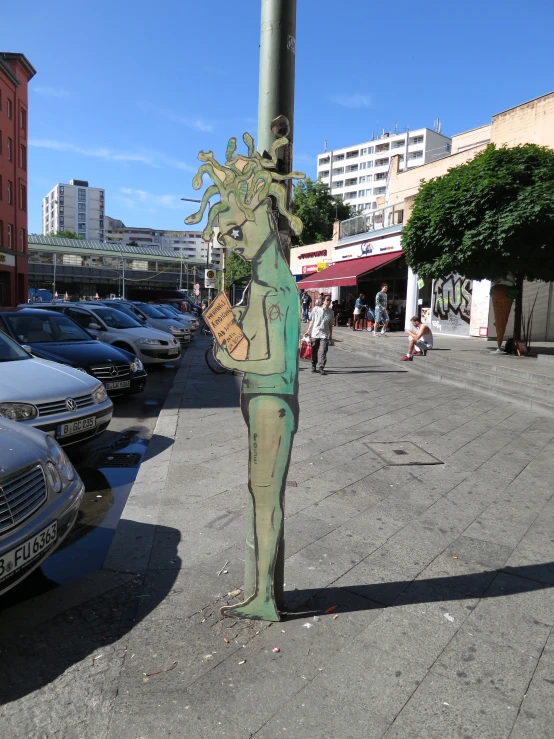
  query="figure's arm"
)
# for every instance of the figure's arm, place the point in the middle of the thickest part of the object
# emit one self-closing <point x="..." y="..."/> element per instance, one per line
<point x="274" y="365"/>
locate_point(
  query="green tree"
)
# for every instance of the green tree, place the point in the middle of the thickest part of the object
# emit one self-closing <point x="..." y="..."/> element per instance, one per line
<point x="132" y="243"/>
<point x="67" y="235"/>
<point x="235" y="267"/>
<point x="317" y="209"/>
<point x="491" y="218"/>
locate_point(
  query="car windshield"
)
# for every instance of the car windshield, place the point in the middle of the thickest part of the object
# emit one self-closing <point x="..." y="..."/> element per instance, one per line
<point x="37" y="329"/>
<point x="10" y="351"/>
<point x="165" y="311"/>
<point x="115" y="318"/>
<point x="150" y="311"/>
<point x="128" y="311"/>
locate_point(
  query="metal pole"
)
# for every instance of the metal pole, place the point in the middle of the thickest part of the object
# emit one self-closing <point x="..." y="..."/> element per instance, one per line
<point x="54" y="283"/>
<point x="275" y="119"/>
<point x="181" y="272"/>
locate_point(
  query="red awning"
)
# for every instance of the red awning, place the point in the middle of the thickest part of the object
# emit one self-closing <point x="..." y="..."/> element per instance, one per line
<point x="346" y="273"/>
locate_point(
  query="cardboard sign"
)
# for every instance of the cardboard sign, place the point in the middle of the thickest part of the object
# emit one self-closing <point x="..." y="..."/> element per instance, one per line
<point x="224" y="327"/>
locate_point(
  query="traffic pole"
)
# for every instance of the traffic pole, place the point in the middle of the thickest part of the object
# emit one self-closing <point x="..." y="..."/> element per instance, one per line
<point x="275" y="119"/>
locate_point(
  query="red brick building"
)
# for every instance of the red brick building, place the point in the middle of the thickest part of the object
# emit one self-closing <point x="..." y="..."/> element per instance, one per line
<point x="15" y="73"/>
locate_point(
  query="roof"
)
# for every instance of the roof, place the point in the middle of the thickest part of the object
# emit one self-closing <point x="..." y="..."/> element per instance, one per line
<point x="346" y="273"/>
<point x="82" y="245"/>
<point x="5" y="56"/>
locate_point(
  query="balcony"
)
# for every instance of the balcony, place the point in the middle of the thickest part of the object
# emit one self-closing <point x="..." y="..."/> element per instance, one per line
<point x="392" y="215"/>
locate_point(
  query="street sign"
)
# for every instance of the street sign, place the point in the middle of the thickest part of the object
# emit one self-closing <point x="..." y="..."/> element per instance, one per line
<point x="209" y="278"/>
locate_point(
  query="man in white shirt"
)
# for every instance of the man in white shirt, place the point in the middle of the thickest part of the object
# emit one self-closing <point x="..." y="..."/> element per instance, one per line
<point x="421" y="339"/>
<point x="320" y="331"/>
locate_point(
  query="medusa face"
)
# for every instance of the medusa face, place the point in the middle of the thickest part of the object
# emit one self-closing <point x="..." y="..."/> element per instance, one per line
<point x="244" y="235"/>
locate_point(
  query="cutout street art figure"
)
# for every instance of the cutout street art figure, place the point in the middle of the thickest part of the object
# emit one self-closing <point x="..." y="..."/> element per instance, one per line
<point x="264" y="344"/>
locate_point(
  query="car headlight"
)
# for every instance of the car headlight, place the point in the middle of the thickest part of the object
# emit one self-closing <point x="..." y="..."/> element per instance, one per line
<point x="174" y="329"/>
<point x="18" y="411"/>
<point x="60" y="460"/>
<point x="136" y="365"/>
<point x="148" y="341"/>
<point x="100" y="394"/>
<point x="53" y="477"/>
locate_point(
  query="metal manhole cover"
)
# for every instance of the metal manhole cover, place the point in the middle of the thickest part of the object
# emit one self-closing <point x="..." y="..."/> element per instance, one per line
<point x="401" y="453"/>
<point x="116" y="459"/>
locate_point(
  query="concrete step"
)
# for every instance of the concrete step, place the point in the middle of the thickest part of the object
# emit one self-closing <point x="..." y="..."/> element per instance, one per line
<point x="532" y="394"/>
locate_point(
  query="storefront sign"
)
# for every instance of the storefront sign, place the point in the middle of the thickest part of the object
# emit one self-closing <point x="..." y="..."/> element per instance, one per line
<point x="309" y="255"/>
<point x="321" y="266"/>
<point x="307" y="269"/>
<point x="7" y="259"/>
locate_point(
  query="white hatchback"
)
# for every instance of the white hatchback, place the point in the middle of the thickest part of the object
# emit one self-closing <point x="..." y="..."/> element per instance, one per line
<point x="107" y="324"/>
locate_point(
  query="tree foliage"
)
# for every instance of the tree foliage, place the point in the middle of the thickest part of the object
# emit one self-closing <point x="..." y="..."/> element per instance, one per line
<point x="492" y="217"/>
<point x="317" y="209"/>
<point x="235" y="268"/>
<point x="67" y="235"/>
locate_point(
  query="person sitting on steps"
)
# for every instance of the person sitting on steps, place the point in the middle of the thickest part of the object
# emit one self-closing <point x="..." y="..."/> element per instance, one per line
<point x="421" y="339"/>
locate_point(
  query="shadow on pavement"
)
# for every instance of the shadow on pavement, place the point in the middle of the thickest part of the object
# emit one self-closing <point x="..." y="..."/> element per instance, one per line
<point x="42" y="638"/>
<point x="487" y="584"/>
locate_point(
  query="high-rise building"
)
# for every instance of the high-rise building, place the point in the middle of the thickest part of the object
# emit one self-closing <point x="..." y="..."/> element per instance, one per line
<point x="359" y="173"/>
<point x="15" y="73"/>
<point x="189" y="243"/>
<point x="74" y="207"/>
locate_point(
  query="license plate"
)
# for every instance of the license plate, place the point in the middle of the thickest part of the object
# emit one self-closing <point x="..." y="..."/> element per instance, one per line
<point x="117" y="385"/>
<point x="75" y="427"/>
<point x="17" y="558"/>
<point x="173" y="351"/>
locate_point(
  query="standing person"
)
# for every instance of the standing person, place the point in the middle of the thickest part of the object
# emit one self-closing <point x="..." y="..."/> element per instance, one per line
<point x="350" y="309"/>
<point x="359" y="309"/>
<point x="421" y="339"/>
<point x="381" y="314"/>
<point x="320" y="332"/>
<point x="306" y="303"/>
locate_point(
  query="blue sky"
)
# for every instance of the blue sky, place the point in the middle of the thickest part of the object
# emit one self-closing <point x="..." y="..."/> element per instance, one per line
<point x="127" y="93"/>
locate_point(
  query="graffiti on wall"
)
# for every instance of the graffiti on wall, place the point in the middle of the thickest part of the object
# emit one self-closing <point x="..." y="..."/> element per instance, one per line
<point x="452" y="304"/>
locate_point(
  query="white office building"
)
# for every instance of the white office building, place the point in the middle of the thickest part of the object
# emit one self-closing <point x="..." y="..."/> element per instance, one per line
<point x="188" y="243"/>
<point x="359" y="173"/>
<point x="74" y="207"/>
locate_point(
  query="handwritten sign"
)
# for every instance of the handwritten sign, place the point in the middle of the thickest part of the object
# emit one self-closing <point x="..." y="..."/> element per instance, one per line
<point x="224" y="327"/>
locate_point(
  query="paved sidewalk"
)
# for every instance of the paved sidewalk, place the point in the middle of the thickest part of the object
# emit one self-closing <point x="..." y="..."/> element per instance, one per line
<point x="440" y="578"/>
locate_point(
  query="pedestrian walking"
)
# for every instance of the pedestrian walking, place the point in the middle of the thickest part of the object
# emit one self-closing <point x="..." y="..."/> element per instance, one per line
<point x="421" y="339"/>
<point x="306" y="301"/>
<point x="381" y="313"/>
<point x="320" y="332"/>
<point x="359" y="312"/>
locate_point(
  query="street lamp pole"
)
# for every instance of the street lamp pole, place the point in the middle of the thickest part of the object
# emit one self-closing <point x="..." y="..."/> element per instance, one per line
<point x="194" y="200"/>
<point x="123" y="271"/>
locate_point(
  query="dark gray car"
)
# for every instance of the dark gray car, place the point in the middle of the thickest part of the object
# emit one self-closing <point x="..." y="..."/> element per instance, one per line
<point x="40" y="494"/>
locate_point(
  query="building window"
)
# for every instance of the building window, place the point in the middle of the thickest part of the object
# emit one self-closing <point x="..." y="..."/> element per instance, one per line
<point x="22" y="197"/>
<point x="381" y="147"/>
<point x="23" y="119"/>
<point x="61" y="208"/>
<point x="324" y="174"/>
<point x="338" y="158"/>
<point x="416" y="140"/>
<point x="381" y="162"/>
<point x="23" y="157"/>
<point x="380" y="176"/>
<point x="21" y="239"/>
<point x="362" y="179"/>
<point x="10" y="236"/>
<point x="415" y="155"/>
<point x="101" y="224"/>
<point x="82" y="206"/>
<point x="9" y="149"/>
<point x="9" y="108"/>
<point x="351" y="181"/>
<point x="340" y="183"/>
<point x="61" y="219"/>
<point x="82" y="194"/>
<point x="352" y="168"/>
<point x="61" y="228"/>
<point x="1" y="233"/>
<point x="338" y="170"/>
<point x="61" y="189"/>
<point x="9" y="192"/>
<point x="324" y="160"/>
<point x="353" y="154"/>
<point x="61" y="200"/>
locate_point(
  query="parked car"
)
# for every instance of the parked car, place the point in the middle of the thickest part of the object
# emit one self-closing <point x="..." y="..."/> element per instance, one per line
<point x="67" y="404"/>
<point x="54" y="336"/>
<point x="123" y="307"/>
<point x="145" y="312"/>
<point x="183" y="305"/>
<point x="40" y="494"/>
<point x="186" y="318"/>
<point x="116" y="328"/>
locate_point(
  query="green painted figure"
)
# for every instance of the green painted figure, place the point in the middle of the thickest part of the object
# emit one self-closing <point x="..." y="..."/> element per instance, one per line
<point x="271" y="325"/>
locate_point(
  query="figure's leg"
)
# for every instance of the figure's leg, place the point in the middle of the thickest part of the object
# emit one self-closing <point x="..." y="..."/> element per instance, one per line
<point x="315" y="349"/>
<point x="271" y="425"/>
<point x="322" y="354"/>
<point x="411" y="344"/>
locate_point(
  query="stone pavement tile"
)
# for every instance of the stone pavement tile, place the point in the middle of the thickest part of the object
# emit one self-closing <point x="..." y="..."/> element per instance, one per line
<point x="526" y="562"/>
<point x="540" y="693"/>
<point x="435" y="601"/>
<point x="532" y="725"/>
<point x="355" y="497"/>
<point x="499" y="531"/>
<point x="171" y="550"/>
<point x="331" y="511"/>
<point x="375" y="526"/>
<point x="409" y="634"/>
<point x="401" y="733"/>
<point x="315" y="713"/>
<point x="476" y="551"/>
<point x="499" y="669"/>
<point x="524" y="595"/>
<point x="346" y="541"/>
<point x="316" y="566"/>
<point x="409" y="551"/>
<point x="302" y="530"/>
<point x="380" y="585"/>
<point x="440" y="709"/>
<point x="381" y="680"/>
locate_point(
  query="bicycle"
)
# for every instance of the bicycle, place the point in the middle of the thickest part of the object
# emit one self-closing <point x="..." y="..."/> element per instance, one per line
<point x="213" y="364"/>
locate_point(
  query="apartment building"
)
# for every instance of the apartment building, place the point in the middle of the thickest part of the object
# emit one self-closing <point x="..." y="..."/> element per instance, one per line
<point x="15" y="73"/>
<point x="189" y="244"/>
<point x="359" y="173"/>
<point x="74" y="207"/>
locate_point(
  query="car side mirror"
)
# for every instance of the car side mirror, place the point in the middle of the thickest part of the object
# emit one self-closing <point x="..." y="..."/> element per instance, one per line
<point x="27" y="348"/>
<point x="95" y="327"/>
